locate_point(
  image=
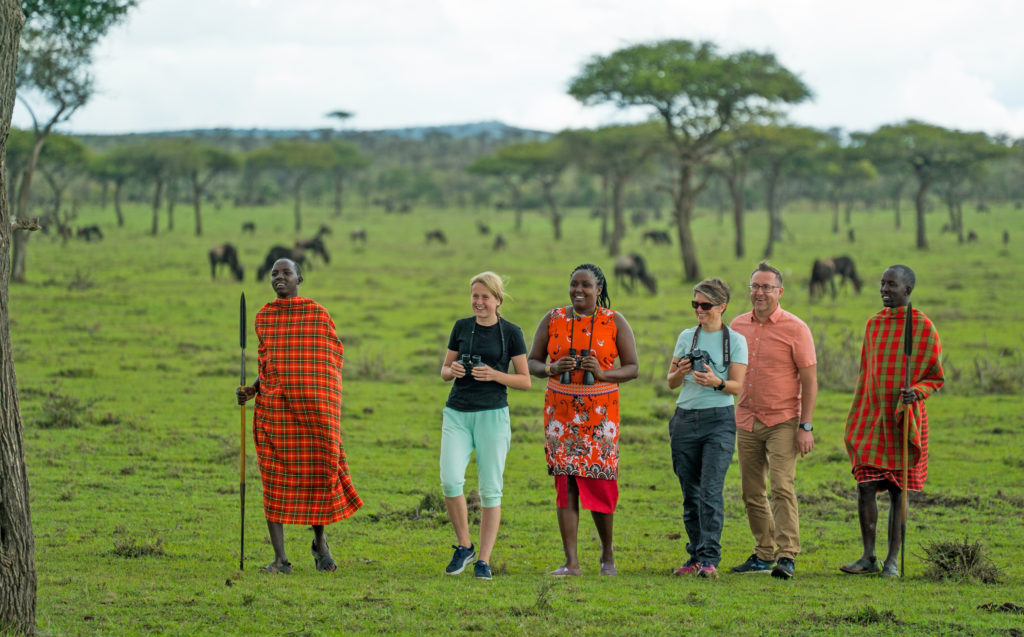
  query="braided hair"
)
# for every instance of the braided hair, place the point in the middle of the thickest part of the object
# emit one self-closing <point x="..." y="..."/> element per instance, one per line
<point x="602" y="299"/>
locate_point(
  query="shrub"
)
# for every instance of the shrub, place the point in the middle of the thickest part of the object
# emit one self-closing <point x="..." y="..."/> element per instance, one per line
<point x="62" y="412"/>
<point x="130" y="547"/>
<point x="960" y="561"/>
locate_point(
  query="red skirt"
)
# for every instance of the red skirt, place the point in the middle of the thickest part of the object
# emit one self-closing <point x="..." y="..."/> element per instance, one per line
<point x="599" y="496"/>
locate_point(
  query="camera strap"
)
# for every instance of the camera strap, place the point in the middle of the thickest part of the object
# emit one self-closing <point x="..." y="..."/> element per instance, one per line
<point x="572" y="328"/>
<point x="725" y="345"/>
<point x="501" y="335"/>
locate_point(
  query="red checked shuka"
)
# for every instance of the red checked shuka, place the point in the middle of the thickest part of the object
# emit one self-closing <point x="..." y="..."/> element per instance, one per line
<point x="297" y="424"/>
<point x="874" y="426"/>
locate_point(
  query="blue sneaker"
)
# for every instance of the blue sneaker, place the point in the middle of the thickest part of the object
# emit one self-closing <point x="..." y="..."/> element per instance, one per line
<point x="784" y="569"/>
<point x="754" y="564"/>
<point x="463" y="556"/>
<point x="481" y="570"/>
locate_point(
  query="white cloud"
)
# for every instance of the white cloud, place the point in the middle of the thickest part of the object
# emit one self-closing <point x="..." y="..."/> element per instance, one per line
<point x="199" y="63"/>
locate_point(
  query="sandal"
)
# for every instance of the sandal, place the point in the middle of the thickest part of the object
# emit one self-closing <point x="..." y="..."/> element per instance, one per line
<point x="890" y="570"/>
<point x="860" y="567"/>
<point x="284" y="568"/>
<point x="324" y="562"/>
<point x="563" y="571"/>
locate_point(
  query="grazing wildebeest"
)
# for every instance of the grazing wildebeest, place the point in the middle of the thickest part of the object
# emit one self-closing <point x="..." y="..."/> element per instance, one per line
<point x="1006" y="237"/>
<point x="659" y="237"/>
<point x="225" y="254"/>
<point x="298" y="255"/>
<point x="499" y="242"/>
<point x="249" y="227"/>
<point x="483" y="227"/>
<point x="850" y="235"/>
<point x="89" y="233"/>
<point x="824" y="271"/>
<point x="629" y="268"/>
<point x="358" y="235"/>
<point x="316" y="244"/>
<point x="436" y="235"/>
<point x="972" y="236"/>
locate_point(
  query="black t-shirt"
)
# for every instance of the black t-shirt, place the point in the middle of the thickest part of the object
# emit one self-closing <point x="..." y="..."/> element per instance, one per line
<point x="469" y="394"/>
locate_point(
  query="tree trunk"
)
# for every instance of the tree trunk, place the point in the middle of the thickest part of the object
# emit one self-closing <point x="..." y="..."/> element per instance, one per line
<point x="17" y="545"/>
<point x="835" y="216"/>
<point x="339" y="185"/>
<point x="118" y="185"/>
<point x="683" y="202"/>
<point x="197" y="195"/>
<point x="774" y="220"/>
<point x="556" y="217"/>
<point x="738" y="205"/>
<point x="298" y="206"/>
<point x="157" y="193"/>
<point x="618" y="217"/>
<point x="172" y="196"/>
<point x="919" y="202"/>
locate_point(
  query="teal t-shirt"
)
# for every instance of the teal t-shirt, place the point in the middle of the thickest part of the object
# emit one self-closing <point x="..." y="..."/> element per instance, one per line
<point x="694" y="396"/>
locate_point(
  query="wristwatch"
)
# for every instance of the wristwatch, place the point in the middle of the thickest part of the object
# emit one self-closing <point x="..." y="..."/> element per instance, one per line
<point x="720" y="387"/>
<point x="806" y="426"/>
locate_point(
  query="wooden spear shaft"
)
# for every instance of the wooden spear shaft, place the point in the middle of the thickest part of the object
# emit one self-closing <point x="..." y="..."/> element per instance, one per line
<point x="241" y="446"/>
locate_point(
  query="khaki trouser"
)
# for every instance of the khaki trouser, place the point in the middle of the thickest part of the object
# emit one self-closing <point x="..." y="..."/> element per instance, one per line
<point x="769" y="453"/>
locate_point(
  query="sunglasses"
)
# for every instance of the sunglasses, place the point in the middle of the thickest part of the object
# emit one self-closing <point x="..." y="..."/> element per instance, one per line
<point x="703" y="306"/>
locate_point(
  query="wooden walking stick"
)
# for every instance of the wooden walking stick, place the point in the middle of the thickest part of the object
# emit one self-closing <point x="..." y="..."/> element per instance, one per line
<point x="908" y="417"/>
<point x="241" y="447"/>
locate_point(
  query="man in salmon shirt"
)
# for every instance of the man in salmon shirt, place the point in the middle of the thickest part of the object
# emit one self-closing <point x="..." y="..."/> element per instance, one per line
<point x="773" y="422"/>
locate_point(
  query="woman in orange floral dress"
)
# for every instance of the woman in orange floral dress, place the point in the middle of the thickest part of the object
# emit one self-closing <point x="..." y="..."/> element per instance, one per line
<point x="575" y="348"/>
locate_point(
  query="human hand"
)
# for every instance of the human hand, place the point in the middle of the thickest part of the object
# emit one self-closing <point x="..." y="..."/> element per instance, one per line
<point x="804" y="442"/>
<point x="908" y="395"/>
<point x="243" y="394"/>
<point x="684" y="365"/>
<point x="707" y="379"/>
<point x="483" y="372"/>
<point x="458" y="371"/>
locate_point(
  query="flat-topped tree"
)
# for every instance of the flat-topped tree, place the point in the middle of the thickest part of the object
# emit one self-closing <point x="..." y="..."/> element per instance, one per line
<point x="698" y="94"/>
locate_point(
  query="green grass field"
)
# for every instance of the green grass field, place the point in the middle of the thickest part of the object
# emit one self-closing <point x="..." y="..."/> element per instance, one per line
<point x="127" y="360"/>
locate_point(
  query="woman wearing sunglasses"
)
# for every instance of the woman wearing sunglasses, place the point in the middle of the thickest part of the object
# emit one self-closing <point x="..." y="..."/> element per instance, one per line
<point x="709" y="361"/>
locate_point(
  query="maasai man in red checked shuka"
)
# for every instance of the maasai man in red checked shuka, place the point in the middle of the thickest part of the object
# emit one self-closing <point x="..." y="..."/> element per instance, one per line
<point x="875" y="423"/>
<point x="297" y="422"/>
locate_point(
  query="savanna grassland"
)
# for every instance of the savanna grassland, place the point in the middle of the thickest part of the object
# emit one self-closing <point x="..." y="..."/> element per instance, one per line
<point x="127" y="358"/>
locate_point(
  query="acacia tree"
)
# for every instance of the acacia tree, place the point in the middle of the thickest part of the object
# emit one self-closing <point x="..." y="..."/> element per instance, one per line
<point x="932" y="153"/>
<point x="53" y="71"/>
<point x="733" y="163"/>
<point x="844" y="171"/>
<point x="115" y="166"/>
<point x="616" y="153"/>
<point x="17" y="544"/>
<point x="544" y="161"/>
<point x="698" y="94"/>
<point x="201" y="163"/>
<point x="345" y="159"/>
<point x="292" y="163"/>
<point x="62" y="160"/>
<point x="512" y="171"/>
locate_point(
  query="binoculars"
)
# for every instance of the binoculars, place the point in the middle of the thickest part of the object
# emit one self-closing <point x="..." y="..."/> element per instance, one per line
<point x="468" y="361"/>
<point x="588" y="376"/>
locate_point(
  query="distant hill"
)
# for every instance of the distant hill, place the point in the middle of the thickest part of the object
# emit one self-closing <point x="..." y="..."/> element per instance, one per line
<point x="492" y="130"/>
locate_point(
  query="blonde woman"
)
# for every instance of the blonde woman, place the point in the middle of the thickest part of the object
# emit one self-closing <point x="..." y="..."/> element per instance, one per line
<point x="476" y="416"/>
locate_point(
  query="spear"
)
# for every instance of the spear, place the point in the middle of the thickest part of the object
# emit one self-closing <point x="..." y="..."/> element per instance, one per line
<point x="908" y="417"/>
<point x="241" y="447"/>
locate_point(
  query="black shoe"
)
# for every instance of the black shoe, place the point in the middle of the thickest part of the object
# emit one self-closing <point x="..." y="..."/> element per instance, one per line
<point x="754" y="564"/>
<point x="462" y="557"/>
<point x="784" y="569"/>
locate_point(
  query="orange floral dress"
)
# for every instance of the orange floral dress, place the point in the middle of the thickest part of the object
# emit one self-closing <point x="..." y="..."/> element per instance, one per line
<point x="581" y="422"/>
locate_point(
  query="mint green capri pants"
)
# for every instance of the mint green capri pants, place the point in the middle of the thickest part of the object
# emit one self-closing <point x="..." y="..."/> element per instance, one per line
<point x="490" y="433"/>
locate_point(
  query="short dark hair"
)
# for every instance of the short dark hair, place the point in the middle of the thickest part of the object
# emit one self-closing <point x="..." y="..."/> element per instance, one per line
<point x="764" y="266"/>
<point x="905" y="273"/>
<point x="295" y="265"/>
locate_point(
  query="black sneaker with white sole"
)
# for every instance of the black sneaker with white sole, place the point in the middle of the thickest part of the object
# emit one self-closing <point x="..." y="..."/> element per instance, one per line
<point x="460" y="559"/>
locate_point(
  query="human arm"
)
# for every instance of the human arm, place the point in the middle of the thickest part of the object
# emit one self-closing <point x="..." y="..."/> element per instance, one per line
<point x="537" y="360"/>
<point x="625" y="343"/>
<point x="451" y="369"/>
<point x="927" y="363"/>
<point x="519" y="380"/>
<point x="733" y="384"/>
<point x="808" y="397"/>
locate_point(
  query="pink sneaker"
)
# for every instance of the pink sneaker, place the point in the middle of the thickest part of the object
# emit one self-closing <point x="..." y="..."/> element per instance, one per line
<point x="707" y="571"/>
<point x="690" y="568"/>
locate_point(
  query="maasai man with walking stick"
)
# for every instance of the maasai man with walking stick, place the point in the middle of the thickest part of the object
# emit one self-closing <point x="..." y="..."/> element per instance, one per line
<point x="874" y="426"/>
<point x="297" y="422"/>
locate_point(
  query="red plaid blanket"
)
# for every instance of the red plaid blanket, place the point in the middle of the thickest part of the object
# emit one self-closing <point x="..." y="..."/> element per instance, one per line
<point x="297" y="422"/>
<point x="874" y="424"/>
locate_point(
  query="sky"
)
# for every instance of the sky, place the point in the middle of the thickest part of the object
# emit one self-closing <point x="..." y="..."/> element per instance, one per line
<point x="183" y="64"/>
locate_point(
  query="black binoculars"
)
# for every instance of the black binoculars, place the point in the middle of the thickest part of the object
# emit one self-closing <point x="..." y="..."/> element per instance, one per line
<point x="588" y="376"/>
<point x="468" y="361"/>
